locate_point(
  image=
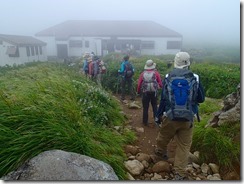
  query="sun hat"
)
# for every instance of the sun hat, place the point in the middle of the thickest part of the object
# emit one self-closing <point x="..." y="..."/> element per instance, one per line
<point x="150" y="65"/>
<point x="89" y="59"/>
<point x="86" y="55"/>
<point x="182" y="60"/>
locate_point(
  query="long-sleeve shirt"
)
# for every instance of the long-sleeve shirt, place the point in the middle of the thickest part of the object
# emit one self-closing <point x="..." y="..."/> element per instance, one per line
<point x="140" y="80"/>
<point x="122" y="67"/>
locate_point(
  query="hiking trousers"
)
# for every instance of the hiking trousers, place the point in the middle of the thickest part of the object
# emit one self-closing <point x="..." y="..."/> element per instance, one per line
<point x="129" y="82"/>
<point x="182" y="134"/>
<point x="148" y="97"/>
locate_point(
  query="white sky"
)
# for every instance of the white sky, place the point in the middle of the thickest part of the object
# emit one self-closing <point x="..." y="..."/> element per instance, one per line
<point x="212" y="21"/>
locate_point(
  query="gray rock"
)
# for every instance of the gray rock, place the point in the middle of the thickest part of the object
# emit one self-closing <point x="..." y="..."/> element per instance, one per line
<point x="61" y="165"/>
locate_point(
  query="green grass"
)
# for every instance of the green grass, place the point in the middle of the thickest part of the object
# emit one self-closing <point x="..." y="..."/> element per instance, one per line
<point x="216" y="145"/>
<point x="48" y="106"/>
<point x="219" y="79"/>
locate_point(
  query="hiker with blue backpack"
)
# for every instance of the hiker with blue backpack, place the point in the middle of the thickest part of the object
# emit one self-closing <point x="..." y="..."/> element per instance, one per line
<point x="181" y="93"/>
<point x="85" y="67"/>
<point x="148" y="85"/>
<point x="126" y="72"/>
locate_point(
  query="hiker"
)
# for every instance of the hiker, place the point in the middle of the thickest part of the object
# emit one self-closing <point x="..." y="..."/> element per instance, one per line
<point x="148" y="84"/>
<point x="92" y="55"/>
<point x="126" y="71"/>
<point x="85" y="67"/>
<point x="177" y="115"/>
<point x="96" y="69"/>
<point x="101" y="70"/>
<point x="90" y="67"/>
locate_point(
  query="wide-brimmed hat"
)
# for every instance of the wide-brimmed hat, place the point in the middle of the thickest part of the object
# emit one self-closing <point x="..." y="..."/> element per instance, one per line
<point x="89" y="59"/>
<point x="182" y="60"/>
<point x="150" y="65"/>
<point x="86" y="55"/>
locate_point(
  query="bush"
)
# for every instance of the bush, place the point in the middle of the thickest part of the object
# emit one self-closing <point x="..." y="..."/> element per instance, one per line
<point x="218" y="79"/>
<point x="216" y="145"/>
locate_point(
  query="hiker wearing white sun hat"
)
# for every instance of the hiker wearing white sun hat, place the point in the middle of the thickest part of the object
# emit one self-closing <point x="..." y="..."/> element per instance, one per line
<point x="180" y="96"/>
<point x="148" y="84"/>
<point x="182" y="60"/>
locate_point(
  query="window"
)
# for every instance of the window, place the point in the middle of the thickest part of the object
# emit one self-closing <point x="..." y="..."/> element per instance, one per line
<point x="32" y="51"/>
<point x="174" y="45"/>
<point x="75" y="43"/>
<point x="86" y="44"/>
<point x="36" y="50"/>
<point x="40" y="49"/>
<point x="12" y="51"/>
<point x="147" y="44"/>
<point x="28" y="51"/>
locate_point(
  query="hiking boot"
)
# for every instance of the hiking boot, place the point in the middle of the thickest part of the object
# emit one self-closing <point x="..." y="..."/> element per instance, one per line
<point x="179" y="177"/>
<point x="145" y="124"/>
<point x="161" y="155"/>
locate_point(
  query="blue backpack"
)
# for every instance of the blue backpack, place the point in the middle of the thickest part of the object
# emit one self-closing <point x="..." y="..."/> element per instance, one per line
<point x="181" y="90"/>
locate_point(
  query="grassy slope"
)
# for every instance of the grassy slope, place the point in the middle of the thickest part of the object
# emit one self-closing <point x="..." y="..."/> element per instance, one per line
<point x="48" y="107"/>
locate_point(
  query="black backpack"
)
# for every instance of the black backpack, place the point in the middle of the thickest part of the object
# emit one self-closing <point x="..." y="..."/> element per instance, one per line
<point x="128" y="72"/>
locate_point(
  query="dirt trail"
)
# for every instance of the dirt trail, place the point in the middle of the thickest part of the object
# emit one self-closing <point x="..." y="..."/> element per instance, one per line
<point x="146" y="140"/>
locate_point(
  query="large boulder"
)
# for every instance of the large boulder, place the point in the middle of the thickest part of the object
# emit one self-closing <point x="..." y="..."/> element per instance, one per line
<point x="61" y="165"/>
<point x="230" y="113"/>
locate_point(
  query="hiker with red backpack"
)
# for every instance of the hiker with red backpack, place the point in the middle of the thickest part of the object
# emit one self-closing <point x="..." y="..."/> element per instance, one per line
<point x="148" y="84"/>
<point x="126" y="71"/>
<point x="94" y="67"/>
<point x="181" y="93"/>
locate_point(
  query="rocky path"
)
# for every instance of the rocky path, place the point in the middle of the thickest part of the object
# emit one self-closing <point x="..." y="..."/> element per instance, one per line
<point x="146" y="135"/>
<point x="142" y="164"/>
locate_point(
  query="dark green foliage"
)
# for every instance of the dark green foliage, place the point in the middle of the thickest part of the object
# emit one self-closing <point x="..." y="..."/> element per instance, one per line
<point x="217" y="145"/>
<point x="218" y="79"/>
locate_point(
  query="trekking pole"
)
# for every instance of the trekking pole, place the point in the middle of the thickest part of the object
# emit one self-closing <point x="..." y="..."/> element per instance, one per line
<point x="134" y="88"/>
<point x="198" y="117"/>
<point x="197" y="114"/>
<point x="118" y="83"/>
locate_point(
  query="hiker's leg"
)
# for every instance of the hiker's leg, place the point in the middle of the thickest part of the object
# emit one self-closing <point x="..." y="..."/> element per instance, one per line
<point x="165" y="134"/>
<point x="123" y="89"/>
<point x="154" y="104"/>
<point x="131" y="89"/>
<point x="183" y="140"/>
<point x="145" y="105"/>
<point x="99" y="79"/>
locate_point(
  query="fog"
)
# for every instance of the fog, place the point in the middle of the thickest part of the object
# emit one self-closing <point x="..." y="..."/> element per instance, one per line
<point x="200" y="22"/>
